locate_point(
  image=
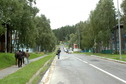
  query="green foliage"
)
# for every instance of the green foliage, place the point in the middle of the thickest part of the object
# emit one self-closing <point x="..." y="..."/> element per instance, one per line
<point x="34" y="55"/>
<point x="103" y="20"/>
<point x="63" y="33"/>
<point x="85" y="33"/>
<point x="45" y="38"/>
<point x="123" y="19"/>
<point x="73" y="40"/>
<point x="27" y="26"/>
<point x="96" y="31"/>
<point x="1" y="30"/>
<point x="123" y="6"/>
<point x="19" y="17"/>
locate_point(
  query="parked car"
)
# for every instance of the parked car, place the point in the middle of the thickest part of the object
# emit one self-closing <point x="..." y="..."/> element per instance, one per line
<point x="70" y="51"/>
<point x="65" y="50"/>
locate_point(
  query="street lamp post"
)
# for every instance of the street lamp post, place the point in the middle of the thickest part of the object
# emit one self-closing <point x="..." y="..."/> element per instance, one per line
<point x="79" y="38"/>
<point x="119" y="29"/>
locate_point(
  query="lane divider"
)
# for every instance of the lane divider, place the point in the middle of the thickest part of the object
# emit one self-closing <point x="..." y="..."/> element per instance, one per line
<point x="103" y="71"/>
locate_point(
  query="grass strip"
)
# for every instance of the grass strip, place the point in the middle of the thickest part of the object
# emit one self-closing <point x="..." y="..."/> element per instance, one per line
<point x="111" y="56"/>
<point x="6" y="60"/>
<point x="35" y="55"/>
<point x="24" y="74"/>
<point x="43" y="71"/>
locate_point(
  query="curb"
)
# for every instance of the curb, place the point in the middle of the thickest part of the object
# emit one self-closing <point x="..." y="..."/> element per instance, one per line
<point x="48" y="74"/>
<point x="37" y="73"/>
<point x="109" y="59"/>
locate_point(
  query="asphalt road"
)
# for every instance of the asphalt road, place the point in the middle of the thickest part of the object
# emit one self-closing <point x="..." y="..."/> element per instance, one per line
<point x="82" y="69"/>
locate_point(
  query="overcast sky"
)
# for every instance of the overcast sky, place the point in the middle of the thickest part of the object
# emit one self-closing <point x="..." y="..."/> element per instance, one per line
<point x="67" y="12"/>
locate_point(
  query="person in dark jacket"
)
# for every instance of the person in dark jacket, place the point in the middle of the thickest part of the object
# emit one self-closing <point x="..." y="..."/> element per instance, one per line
<point x="19" y="56"/>
<point x="58" y="53"/>
<point x="23" y="55"/>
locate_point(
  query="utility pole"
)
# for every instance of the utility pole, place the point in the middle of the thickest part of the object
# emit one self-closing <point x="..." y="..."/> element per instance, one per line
<point x="78" y="38"/>
<point x="119" y="30"/>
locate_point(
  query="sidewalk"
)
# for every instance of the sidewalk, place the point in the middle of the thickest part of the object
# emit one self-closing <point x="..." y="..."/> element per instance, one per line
<point x="5" y="72"/>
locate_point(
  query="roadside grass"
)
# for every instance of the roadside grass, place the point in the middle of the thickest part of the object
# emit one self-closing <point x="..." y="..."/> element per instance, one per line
<point x="35" y="55"/>
<point x="8" y="59"/>
<point x="24" y="74"/>
<point x="39" y="77"/>
<point x="111" y="56"/>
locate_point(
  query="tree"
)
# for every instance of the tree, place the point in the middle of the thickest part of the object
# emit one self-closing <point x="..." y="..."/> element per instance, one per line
<point x="2" y="30"/>
<point x="102" y="21"/>
<point x="19" y="17"/>
<point x="123" y="19"/>
<point x="73" y="40"/>
<point x="45" y="37"/>
<point x="63" y="33"/>
<point x="96" y="31"/>
<point x="9" y="10"/>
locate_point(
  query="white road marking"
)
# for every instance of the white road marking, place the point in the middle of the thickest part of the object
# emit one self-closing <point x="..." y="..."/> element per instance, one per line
<point x="108" y="73"/>
<point x="81" y="60"/>
<point x="103" y="71"/>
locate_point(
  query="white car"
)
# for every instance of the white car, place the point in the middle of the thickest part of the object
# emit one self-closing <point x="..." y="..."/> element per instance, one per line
<point x="65" y="50"/>
<point x="70" y="51"/>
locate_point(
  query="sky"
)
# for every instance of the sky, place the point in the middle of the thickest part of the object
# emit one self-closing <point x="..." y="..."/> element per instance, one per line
<point x="67" y="12"/>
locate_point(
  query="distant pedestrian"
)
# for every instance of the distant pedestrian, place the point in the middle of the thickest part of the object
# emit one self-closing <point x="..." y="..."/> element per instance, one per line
<point x="58" y="53"/>
<point x="27" y="57"/>
<point x="19" y="56"/>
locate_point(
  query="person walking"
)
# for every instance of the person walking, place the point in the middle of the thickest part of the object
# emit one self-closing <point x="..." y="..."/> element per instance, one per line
<point x="16" y="59"/>
<point x="23" y="55"/>
<point x="19" y="56"/>
<point x="27" y="57"/>
<point x="58" y="53"/>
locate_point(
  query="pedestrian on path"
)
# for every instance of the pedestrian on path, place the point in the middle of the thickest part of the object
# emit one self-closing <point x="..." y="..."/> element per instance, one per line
<point x="58" y="53"/>
<point x="16" y="59"/>
<point x="27" y="57"/>
<point x="23" y="55"/>
<point x="19" y="56"/>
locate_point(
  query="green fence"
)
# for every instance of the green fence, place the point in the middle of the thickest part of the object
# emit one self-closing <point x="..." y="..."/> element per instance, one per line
<point x="106" y="51"/>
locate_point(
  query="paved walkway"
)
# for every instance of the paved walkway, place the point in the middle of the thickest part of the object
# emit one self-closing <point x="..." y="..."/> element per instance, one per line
<point x="5" y="72"/>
